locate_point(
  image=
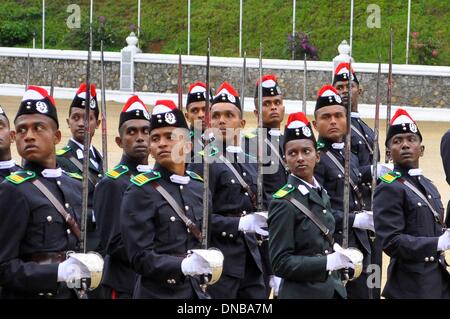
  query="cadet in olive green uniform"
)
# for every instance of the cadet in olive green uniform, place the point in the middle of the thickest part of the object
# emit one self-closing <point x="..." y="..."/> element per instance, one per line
<point x="300" y="246"/>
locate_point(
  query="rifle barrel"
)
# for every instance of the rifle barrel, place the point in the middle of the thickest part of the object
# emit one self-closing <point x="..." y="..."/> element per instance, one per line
<point x="103" y="106"/>
<point x="376" y="130"/>
<point x="259" y="196"/>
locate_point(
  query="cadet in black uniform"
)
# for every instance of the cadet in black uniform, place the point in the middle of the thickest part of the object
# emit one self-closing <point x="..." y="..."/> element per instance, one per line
<point x="134" y="130"/>
<point x="301" y="245"/>
<point x="409" y="219"/>
<point x="330" y="122"/>
<point x="274" y="168"/>
<point x="195" y="112"/>
<point x="445" y="154"/>
<point x="70" y="158"/>
<point x="362" y="145"/>
<point x="233" y="224"/>
<point x="34" y="236"/>
<point x="156" y="239"/>
<point x="7" y="164"/>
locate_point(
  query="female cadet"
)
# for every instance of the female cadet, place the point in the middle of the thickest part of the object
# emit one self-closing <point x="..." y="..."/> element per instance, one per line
<point x="301" y="224"/>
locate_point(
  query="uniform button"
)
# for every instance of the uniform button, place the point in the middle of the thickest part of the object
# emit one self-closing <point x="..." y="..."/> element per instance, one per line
<point x="290" y="185"/>
<point x="418" y="178"/>
<point x="186" y="207"/>
<point x="339" y="176"/>
<point x="174" y="281"/>
<point x="244" y="173"/>
<point x="58" y="183"/>
<point x="231" y="235"/>
<point x="431" y="258"/>
<point x="232" y="181"/>
<point x="246" y="194"/>
<point x="419" y="204"/>
<point x="326" y="251"/>
<point x="41" y="294"/>
<point x="359" y="142"/>
<point x="49" y="218"/>
<point x="49" y="294"/>
<point x="324" y="211"/>
<point x="68" y="231"/>
<point x="272" y="162"/>
<point x="172" y="218"/>
<point x="244" y="212"/>
<point x="340" y="232"/>
<point x="99" y="175"/>
<point x="67" y="205"/>
<point x="356" y="202"/>
<point x="224" y="234"/>
<point x="366" y="135"/>
<point x="429" y="196"/>
<point x="169" y="281"/>
<point x="427" y="259"/>
<point x="360" y="174"/>
<point x="181" y="187"/>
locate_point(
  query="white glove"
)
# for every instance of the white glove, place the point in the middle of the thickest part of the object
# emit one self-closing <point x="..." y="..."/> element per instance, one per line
<point x="195" y="265"/>
<point x="71" y="270"/>
<point x="338" y="260"/>
<point x="444" y="241"/>
<point x="254" y="223"/>
<point x="274" y="283"/>
<point x="383" y="168"/>
<point x="364" y="220"/>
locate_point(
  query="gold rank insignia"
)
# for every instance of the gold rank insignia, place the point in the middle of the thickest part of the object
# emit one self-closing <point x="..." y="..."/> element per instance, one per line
<point x="75" y="175"/>
<point x="20" y="176"/>
<point x="250" y="135"/>
<point x="117" y="171"/>
<point x="195" y="176"/>
<point x="144" y="178"/>
<point x="390" y="177"/>
<point x="63" y="151"/>
<point x="283" y="191"/>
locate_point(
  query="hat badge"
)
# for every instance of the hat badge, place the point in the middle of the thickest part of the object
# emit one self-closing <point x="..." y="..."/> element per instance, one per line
<point x="92" y="104"/>
<point x="231" y="98"/>
<point x="1" y="110"/>
<point x="306" y="131"/>
<point x="170" y="118"/>
<point x="338" y="99"/>
<point x="41" y="107"/>
<point x="413" y="127"/>
<point x="146" y="115"/>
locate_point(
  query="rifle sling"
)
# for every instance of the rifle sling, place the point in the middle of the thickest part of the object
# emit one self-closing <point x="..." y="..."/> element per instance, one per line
<point x="80" y="168"/>
<point x="59" y="207"/>
<point x="355" y="129"/>
<point x="178" y="210"/>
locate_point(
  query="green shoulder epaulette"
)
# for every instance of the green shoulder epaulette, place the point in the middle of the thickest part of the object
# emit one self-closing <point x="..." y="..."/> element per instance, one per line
<point x="63" y="151"/>
<point x="117" y="171"/>
<point x="20" y="176"/>
<point x="390" y="177"/>
<point x="214" y="151"/>
<point x="320" y="145"/>
<point x="283" y="191"/>
<point x="191" y="133"/>
<point x="250" y="135"/>
<point x="76" y="176"/>
<point x="194" y="175"/>
<point x="146" y="177"/>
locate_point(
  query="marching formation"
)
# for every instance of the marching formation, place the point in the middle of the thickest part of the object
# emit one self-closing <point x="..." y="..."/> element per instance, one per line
<point x="221" y="213"/>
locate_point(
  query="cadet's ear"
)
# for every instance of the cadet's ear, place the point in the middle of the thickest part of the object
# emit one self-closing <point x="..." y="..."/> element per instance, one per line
<point x="97" y="124"/>
<point x="67" y="121"/>
<point x="12" y="135"/>
<point x="314" y="124"/>
<point x="255" y="111"/>
<point x="119" y="141"/>
<point x="243" y="123"/>
<point x="422" y="150"/>
<point x="57" y="138"/>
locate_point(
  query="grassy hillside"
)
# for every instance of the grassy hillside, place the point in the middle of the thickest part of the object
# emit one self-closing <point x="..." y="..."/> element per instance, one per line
<point x="164" y="26"/>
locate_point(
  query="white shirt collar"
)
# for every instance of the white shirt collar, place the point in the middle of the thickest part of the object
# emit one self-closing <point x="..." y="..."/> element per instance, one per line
<point x="52" y="172"/>
<point x="82" y="148"/>
<point x="7" y="164"/>
<point x="234" y="149"/>
<point x="338" y="146"/>
<point x="178" y="179"/>
<point x="274" y="132"/>
<point x="143" y="168"/>
<point x="415" y="172"/>
<point x="355" y="115"/>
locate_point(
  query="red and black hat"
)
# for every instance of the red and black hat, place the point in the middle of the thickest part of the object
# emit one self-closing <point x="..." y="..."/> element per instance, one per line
<point x="197" y="93"/>
<point x="328" y="96"/>
<point x="269" y="86"/>
<point x="342" y="72"/>
<point x="36" y="100"/>
<point x="134" y="109"/>
<point x="227" y="94"/>
<point x="165" y="113"/>
<point x="297" y="128"/>
<point x="401" y="123"/>
<point x="80" y="98"/>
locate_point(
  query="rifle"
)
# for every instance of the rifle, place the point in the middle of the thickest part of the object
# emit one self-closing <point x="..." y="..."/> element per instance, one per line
<point x="376" y="131"/>
<point x="103" y="106"/>
<point x="304" y="84"/>
<point x="259" y="177"/>
<point x="389" y="90"/>
<point x="180" y="84"/>
<point x="244" y="75"/>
